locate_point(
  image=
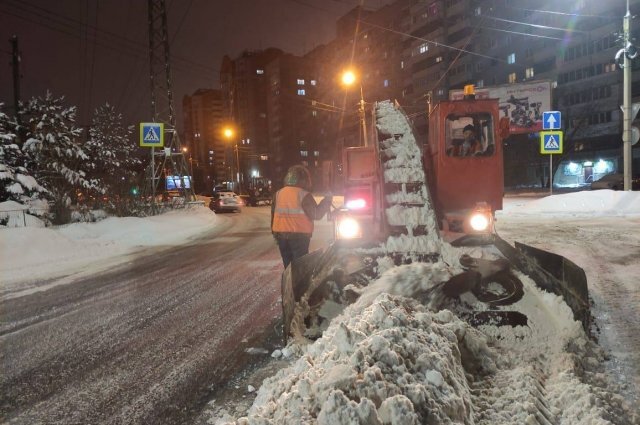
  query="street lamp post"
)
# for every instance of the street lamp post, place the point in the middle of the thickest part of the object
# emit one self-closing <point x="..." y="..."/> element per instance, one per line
<point x="229" y="134"/>
<point x="348" y="79"/>
<point x="185" y="150"/>
<point x="238" y="166"/>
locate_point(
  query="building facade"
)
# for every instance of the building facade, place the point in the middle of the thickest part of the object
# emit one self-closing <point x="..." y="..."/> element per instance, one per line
<point x="493" y="42"/>
<point x="415" y="52"/>
<point x="243" y="82"/>
<point x="203" y="115"/>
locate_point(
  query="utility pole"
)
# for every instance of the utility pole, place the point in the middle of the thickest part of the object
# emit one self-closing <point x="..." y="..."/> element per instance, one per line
<point x="162" y="110"/>
<point x="363" y="119"/>
<point x="15" y="63"/>
<point x="628" y="111"/>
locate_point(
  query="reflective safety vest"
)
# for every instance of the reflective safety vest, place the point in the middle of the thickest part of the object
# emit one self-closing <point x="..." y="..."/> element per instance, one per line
<point x="288" y="215"/>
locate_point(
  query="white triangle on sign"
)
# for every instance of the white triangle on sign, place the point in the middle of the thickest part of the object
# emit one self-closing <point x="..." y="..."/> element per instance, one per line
<point x="151" y="136"/>
<point x="551" y="143"/>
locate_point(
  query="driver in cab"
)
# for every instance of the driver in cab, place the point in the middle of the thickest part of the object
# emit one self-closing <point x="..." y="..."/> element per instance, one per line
<point x="469" y="146"/>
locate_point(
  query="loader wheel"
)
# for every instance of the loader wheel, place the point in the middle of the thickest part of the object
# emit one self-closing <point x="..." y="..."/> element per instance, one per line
<point x="504" y="288"/>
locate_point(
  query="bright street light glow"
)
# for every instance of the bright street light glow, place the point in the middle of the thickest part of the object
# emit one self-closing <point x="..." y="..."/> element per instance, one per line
<point x="348" y="78"/>
<point x="228" y="132"/>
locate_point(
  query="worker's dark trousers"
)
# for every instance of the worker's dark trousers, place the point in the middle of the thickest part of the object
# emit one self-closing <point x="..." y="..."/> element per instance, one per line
<point x="292" y="246"/>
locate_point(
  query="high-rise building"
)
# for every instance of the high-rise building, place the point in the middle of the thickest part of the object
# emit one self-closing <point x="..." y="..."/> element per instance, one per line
<point x="294" y="134"/>
<point x="244" y="88"/>
<point x="501" y="42"/>
<point x="205" y="148"/>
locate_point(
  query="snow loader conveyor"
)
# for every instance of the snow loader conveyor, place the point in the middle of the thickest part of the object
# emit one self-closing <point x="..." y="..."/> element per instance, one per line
<point x="321" y="283"/>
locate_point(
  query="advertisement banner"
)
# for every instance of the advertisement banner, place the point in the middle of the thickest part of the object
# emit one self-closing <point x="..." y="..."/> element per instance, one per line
<point x="522" y="103"/>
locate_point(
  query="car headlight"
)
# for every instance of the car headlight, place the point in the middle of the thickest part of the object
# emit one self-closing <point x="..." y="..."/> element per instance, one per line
<point x="348" y="228"/>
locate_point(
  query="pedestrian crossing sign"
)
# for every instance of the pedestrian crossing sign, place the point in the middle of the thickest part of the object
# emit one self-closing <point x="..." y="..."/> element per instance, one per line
<point x="152" y="134"/>
<point x="551" y="142"/>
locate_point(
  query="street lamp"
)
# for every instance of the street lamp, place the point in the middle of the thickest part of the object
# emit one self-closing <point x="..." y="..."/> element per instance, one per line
<point x="229" y="134"/>
<point x="349" y="78"/>
<point x="185" y="150"/>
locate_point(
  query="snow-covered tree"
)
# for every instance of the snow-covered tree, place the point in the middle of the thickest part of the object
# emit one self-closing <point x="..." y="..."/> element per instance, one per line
<point x="54" y="153"/>
<point x="15" y="182"/>
<point x="112" y="152"/>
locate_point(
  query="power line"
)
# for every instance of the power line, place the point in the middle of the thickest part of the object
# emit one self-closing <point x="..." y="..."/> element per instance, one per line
<point x="522" y="33"/>
<point x="579" y="15"/>
<point x="435" y="43"/>
<point x="134" y="47"/>
<point x="546" y="27"/>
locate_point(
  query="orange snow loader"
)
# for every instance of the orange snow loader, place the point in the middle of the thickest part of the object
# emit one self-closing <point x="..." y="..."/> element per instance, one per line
<point x="405" y="200"/>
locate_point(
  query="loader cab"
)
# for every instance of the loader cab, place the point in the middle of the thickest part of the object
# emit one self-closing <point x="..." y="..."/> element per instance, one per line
<point x="463" y="180"/>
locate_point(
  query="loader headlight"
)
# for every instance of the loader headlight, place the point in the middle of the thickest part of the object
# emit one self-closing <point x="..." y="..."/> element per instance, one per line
<point x="479" y="221"/>
<point x="349" y="228"/>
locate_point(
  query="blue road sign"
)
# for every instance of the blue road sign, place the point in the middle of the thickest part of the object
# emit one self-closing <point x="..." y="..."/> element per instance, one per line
<point x="551" y="120"/>
<point x="152" y="134"/>
<point x="551" y="142"/>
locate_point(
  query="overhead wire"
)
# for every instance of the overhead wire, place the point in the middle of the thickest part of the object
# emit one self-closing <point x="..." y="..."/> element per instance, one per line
<point x="579" y="15"/>
<point x="522" y="33"/>
<point x="93" y="60"/>
<point x="133" y="47"/>
<point x="546" y="27"/>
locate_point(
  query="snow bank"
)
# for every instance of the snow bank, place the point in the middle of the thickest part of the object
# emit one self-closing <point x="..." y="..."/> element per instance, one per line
<point x="587" y="203"/>
<point x="395" y="363"/>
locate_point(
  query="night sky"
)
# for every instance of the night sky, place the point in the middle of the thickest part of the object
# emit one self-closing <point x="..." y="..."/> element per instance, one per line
<point x="96" y="51"/>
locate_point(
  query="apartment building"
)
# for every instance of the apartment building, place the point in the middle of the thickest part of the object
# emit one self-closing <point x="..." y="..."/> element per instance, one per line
<point x="202" y="116"/>
<point x="451" y="43"/>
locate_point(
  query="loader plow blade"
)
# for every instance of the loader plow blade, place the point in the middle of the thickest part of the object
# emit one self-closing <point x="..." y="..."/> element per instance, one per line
<point x="553" y="273"/>
<point x="296" y="279"/>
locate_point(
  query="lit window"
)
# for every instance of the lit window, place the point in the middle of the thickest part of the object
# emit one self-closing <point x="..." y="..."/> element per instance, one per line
<point x="259" y="71"/>
<point x="512" y="77"/>
<point x="511" y="58"/>
<point x="304" y="153"/>
<point x="313" y="82"/>
<point x="386" y="83"/>
<point x="314" y="113"/>
<point x="478" y="11"/>
<point x="440" y="92"/>
<point x="424" y="47"/>
<point x="264" y="157"/>
<point x="439" y="59"/>
<point x="301" y="92"/>
<point x="300" y="82"/>
<point x="528" y="73"/>
<point x="480" y="83"/>
<point x="401" y="64"/>
<point x="210" y="152"/>
<point x="316" y="153"/>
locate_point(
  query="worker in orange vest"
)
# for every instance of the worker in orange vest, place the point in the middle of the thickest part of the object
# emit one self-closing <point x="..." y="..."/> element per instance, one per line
<point x="293" y="211"/>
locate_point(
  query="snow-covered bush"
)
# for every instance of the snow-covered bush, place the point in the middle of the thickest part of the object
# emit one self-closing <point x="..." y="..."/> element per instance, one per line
<point x="54" y="154"/>
<point x="112" y="160"/>
<point x="15" y="182"/>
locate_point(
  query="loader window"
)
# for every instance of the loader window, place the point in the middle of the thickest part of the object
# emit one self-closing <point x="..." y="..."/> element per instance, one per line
<point x="469" y="135"/>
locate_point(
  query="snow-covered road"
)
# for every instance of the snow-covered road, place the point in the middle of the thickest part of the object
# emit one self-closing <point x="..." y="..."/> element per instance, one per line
<point x="608" y="249"/>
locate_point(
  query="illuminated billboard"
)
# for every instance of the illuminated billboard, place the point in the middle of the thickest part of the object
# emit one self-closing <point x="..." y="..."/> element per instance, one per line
<point x="175" y="182"/>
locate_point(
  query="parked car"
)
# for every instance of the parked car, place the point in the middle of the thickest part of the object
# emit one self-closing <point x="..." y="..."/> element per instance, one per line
<point x="225" y="202"/>
<point x="615" y="181"/>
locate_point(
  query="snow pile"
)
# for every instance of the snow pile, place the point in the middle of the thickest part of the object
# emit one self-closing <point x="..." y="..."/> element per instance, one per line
<point x="395" y="363"/>
<point x="43" y="252"/>
<point x="588" y="203"/>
